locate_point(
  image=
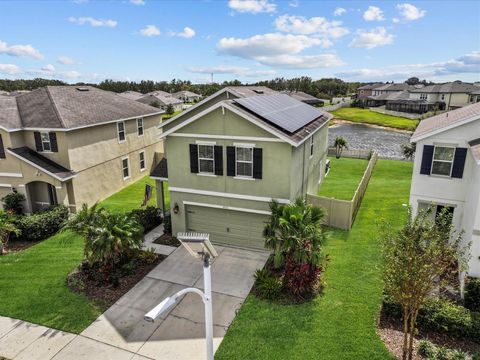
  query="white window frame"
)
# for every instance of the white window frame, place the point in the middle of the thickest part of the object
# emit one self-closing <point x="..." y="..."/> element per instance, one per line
<point x="212" y="145"/>
<point x="128" y="168"/>
<point x="44" y="142"/>
<point x="244" y="146"/>
<point x="445" y="161"/>
<point x="124" y="132"/>
<point x="423" y="96"/>
<point x="140" y="161"/>
<point x="140" y="126"/>
<point x="312" y="143"/>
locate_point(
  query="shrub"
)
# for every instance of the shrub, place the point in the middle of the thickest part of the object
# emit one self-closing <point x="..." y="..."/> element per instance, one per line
<point x="268" y="286"/>
<point x="476" y="356"/>
<point x="149" y="217"/>
<point x="472" y="294"/>
<point x="301" y="279"/>
<point x="149" y="256"/>
<point x="458" y="355"/>
<point x="442" y="354"/>
<point x="426" y="349"/>
<point x="43" y="224"/>
<point x="167" y="223"/>
<point x="13" y="202"/>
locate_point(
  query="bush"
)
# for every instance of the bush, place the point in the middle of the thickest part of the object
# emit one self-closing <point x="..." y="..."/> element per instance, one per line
<point x="149" y="218"/>
<point x="268" y="286"/>
<point x="13" y="202"/>
<point x="301" y="279"/>
<point x="476" y="356"/>
<point x="167" y="223"/>
<point x="472" y="294"/>
<point x="43" y="224"/>
<point x="458" y="355"/>
<point x="442" y="354"/>
<point x="426" y="349"/>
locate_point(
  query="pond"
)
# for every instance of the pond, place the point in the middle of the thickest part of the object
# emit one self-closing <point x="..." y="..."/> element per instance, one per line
<point x="387" y="143"/>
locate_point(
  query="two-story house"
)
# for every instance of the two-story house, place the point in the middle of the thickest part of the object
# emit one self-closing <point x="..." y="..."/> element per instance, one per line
<point x="446" y="172"/>
<point x="235" y="151"/>
<point x="73" y="145"/>
<point x="158" y="99"/>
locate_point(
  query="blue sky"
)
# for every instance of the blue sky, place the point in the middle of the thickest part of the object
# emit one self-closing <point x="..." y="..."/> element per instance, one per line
<point x="86" y="40"/>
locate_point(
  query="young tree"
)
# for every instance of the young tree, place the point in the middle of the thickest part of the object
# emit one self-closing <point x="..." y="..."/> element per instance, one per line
<point x="409" y="150"/>
<point x="339" y="144"/>
<point x="155" y="103"/>
<point x="170" y="110"/>
<point x="418" y="259"/>
<point x="7" y="227"/>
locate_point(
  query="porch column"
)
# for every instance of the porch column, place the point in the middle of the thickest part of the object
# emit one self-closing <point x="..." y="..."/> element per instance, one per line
<point x="160" y="196"/>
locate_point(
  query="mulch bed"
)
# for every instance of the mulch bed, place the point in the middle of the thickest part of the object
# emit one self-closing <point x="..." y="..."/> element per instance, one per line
<point x="105" y="295"/>
<point x="167" y="239"/>
<point x="391" y="332"/>
<point x="19" y="245"/>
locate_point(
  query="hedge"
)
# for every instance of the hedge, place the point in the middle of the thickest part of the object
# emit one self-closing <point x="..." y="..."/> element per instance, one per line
<point x="149" y="217"/>
<point x="43" y="224"/>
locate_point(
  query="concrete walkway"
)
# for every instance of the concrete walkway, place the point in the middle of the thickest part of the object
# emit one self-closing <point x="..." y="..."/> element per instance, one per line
<point x="150" y="237"/>
<point x="121" y="333"/>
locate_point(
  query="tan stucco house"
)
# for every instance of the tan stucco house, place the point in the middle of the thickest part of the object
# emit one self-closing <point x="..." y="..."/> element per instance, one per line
<point x="73" y="145"/>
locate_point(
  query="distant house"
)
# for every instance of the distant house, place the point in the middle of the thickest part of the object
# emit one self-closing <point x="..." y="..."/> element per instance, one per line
<point x="382" y="94"/>
<point x="446" y="172"/>
<point x="158" y="99"/>
<point x="365" y="91"/>
<point x="187" y="96"/>
<point x="131" y="95"/>
<point x="305" y="98"/>
<point x="73" y="145"/>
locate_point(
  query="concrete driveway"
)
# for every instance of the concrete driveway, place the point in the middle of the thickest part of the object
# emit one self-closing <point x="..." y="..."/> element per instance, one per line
<point x="181" y="333"/>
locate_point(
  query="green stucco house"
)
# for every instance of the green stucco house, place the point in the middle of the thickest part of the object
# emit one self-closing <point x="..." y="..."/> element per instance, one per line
<point x="235" y="151"/>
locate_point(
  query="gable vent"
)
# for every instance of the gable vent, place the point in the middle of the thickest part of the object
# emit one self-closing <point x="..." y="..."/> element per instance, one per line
<point x="82" y="88"/>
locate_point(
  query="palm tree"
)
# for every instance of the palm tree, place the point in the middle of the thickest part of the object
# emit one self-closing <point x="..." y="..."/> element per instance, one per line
<point x="339" y="144"/>
<point x="7" y="227"/>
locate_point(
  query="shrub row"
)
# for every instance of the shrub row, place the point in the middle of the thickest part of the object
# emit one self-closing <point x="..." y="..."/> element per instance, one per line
<point x="43" y="224"/>
<point x="149" y="217"/>
<point x="443" y="316"/>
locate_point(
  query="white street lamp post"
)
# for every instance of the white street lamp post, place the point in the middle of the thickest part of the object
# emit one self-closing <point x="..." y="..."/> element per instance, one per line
<point x="198" y="245"/>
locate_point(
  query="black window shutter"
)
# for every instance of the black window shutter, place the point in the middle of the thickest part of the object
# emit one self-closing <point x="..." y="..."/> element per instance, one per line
<point x="230" y="160"/>
<point x="257" y="163"/>
<point x="2" y="150"/>
<point x="218" y="156"/>
<point x="53" y="142"/>
<point x="38" y="141"/>
<point x="459" y="162"/>
<point x="194" y="158"/>
<point x="427" y="157"/>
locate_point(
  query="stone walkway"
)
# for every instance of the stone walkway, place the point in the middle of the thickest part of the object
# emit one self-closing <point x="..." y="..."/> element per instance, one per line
<point x="121" y="333"/>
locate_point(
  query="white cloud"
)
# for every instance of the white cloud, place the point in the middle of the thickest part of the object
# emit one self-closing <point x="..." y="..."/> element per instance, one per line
<point x="78" y="2"/>
<point x="137" y="2"/>
<point x="395" y="20"/>
<point x="302" y="61"/>
<point x="373" y="13"/>
<point x="339" y="11"/>
<point x="314" y="25"/>
<point x="93" y="22"/>
<point x="65" y="60"/>
<point x="187" y="33"/>
<point x="72" y="74"/>
<point x="294" y="3"/>
<point x="20" y="50"/>
<point x="371" y="39"/>
<point x="9" y="69"/>
<point x="49" y="68"/>
<point x="410" y="12"/>
<point x="252" y="6"/>
<point x="234" y="70"/>
<point x="149" y="31"/>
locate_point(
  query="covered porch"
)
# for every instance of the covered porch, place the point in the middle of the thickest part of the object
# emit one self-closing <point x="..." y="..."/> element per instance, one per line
<point x="160" y="175"/>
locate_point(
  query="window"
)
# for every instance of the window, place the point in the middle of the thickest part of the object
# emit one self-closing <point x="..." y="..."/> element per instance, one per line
<point x="125" y="169"/>
<point x="423" y="96"/>
<point x="443" y="97"/>
<point x="244" y="161"/>
<point x="141" y="157"/>
<point x="46" y="146"/>
<point x="140" y="127"/>
<point x="121" y="131"/>
<point x="52" y="194"/>
<point x="311" y="146"/>
<point x="472" y="98"/>
<point x="443" y="160"/>
<point x="205" y="159"/>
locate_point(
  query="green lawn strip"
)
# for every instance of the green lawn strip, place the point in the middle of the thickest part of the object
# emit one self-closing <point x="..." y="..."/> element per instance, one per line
<point x="340" y="324"/>
<point x="343" y="178"/>
<point x="33" y="285"/>
<point x="131" y="197"/>
<point x="166" y="116"/>
<point x="371" y="117"/>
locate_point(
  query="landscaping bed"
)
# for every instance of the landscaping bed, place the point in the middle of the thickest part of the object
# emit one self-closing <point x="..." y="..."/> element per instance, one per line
<point x="167" y="239"/>
<point x="370" y="117"/>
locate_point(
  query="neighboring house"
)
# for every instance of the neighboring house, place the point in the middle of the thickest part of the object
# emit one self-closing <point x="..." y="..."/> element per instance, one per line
<point x="365" y="91"/>
<point x="304" y="97"/>
<point x="235" y="151"/>
<point x="73" y="145"/>
<point x="446" y="172"/>
<point x="132" y="95"/>
<point x="187" y="96"/>
<point x="161" y="101"/>
<point x="382" y="94"/>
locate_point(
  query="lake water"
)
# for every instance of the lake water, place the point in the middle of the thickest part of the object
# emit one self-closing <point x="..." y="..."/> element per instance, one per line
<point x="387" y="143"/>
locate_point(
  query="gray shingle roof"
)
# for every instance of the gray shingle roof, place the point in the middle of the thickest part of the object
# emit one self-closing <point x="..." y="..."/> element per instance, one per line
<point x="9" y="116"/>
<point x="161" y="170"/>
<point x="132" y="95"/>
<point x="452" y="87"/>
<point x="186" y="93"/>
<point x="163" y="100"/>
<point x="70" y="107"/>
<point x="246" y="91"/>
<point x="370" y="86"/>
<point x="395" y="87"/>
<point x="402" y="95"/>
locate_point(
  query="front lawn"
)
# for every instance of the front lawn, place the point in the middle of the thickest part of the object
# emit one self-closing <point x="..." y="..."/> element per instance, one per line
<point x="32" y="285"/>
<point x="371" y="117"/>
<point x="341" y="324"/>
<point x="343" y="178"/>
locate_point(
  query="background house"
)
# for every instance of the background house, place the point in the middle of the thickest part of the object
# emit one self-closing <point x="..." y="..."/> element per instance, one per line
<point x="158" y="99"/>
<point x="304" y="97"/>
<point x="74" y="145"/>
<point x="446" y="172"/>
<point x="187" y="96"/>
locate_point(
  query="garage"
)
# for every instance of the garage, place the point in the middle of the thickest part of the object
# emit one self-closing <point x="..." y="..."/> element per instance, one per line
<point x="227" y="227"/>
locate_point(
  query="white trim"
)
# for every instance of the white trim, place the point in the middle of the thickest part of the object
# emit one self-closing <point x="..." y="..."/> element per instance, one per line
<point x="200" y="172"/>
<point x="21" y="185"/>
<point x="444" y="161"/>
<point x="128" y="167"/>
<point x="200" y="142"/>
<point x="222" y="207"/>
<point x="226" y="195"/>
<point x="206" y="174"/>
<point x="15" y="175"/>
<point x="228" y="137"/>
<point x="158" y="178"/>
<point x="140" y="161"/>
<point x="6" y="185"/>
<point x="143" y="127"/>
<point x="238" y="177"/>
<point x="58" y="187"/>
<point x="244" y="145"/>
<point x="40" y="168"/>
<point x="438" y="131"/>
<point x="124" y="132"/>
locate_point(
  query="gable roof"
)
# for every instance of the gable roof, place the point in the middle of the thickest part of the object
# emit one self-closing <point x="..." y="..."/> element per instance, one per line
<point x="370" y="86"/>
<point x="68" y="108"/>
<point x="132" y="95"/>
<point x="451" y="87"/>
<point x="439" y="123"/>
<point x="163" y="100"/>
<point x="186" y="93"/>
<point x="394" y="87"/>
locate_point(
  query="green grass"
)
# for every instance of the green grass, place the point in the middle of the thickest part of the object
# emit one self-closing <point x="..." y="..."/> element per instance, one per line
<point x="32" y="285"/>
<point x="340" y="324"/>
<point x="343" y="178"/>
<point x="371" y="117"/>
<point x="131" y="197"/>
<point x="166" y="116"/>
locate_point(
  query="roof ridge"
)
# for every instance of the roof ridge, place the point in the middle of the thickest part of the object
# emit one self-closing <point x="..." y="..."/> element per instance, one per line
<point x="57" y="113"/>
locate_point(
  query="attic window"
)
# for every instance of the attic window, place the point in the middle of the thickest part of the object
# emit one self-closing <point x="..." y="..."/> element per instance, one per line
<point x="82" y="88"/>
<point x="258" y="91"/>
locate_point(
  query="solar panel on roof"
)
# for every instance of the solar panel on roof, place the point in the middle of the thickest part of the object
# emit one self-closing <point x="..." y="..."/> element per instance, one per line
<point x="281" y="110"/>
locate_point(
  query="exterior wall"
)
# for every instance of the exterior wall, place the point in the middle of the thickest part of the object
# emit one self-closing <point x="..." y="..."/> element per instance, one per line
<point x="451" y="100"/>
<point x="61" y="157"/>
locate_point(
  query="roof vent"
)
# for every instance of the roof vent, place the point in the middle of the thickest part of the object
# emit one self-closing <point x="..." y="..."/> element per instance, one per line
<point x="82" y="88"/>
<point x="258" y="91"/>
